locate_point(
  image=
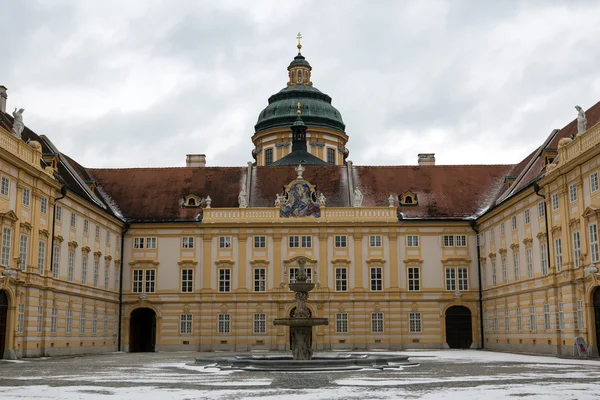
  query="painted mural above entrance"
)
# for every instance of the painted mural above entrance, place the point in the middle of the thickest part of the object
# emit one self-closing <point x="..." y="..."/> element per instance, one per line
<point x="299" y="199"/>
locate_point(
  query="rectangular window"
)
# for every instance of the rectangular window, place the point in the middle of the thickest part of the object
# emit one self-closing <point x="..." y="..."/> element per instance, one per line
<point x="330" y="156"/>
<point x="108" y="238"/>
<point x="187" y="242"/>
<point x="506" y="320"/>
<point x="23" y="245"/>
<point x="341" y="279"/>
<point x="341" y="323"/>
<point x="295" y="271"/>
<point x="502" y="229"/>
<point x="224" y="280"/>
<point x="224" y="323"/>
<point x="516" y="266"/>
<point x="375" y="241"/>
<point x="294" y="242"/>
<point x="44" y="205"/>
<point x="461" y="241"/>
<point x="138" y="243"/>
<point x="260" y="323"/>
<point x="580" y="321"/>
<point x="594" y="243"/>
<point x="40" y="319"/>
<point x="457" y="278"/>
<point x="377" y="322"/>
<point x="561" y="316"/>
<point x="260" y="280"/>
<point x="84" y="267"/>
<point x="97" y="232"/>
<point x="106" y="274"/>
<point x="56" y="263"/>
<point x="532" y="323"/>
<point x="492" y="235"/>
<point x="21" y="318"/>
<point x="138" y="278"/>
<point x="27" y="198"/>
<point x="527" y="217"/>
<point x="483" y="277"/>
<point x="573" y="193"/>
<point x="69" y="321"/>
<point x="340" y="241"/>
<point x="594" y="182"/>
<point x="71" y="270"/>
<point x="494" y="273"/>
<point x="6" y="240"/>
<point x="547" y="316"/>
<point x="376" y="279"/>
<point x="268" y="157"/>
<point x="94" y="322"/>
<point x="495" y="320"/>
<point x="117" y="277"/>
<point x="412" y="241"/>
<point x="86" y="226"/>
<point x="544" y="257"/>
<point x="73" y="220"/>
<point x="414" y="322"/>
<point x="576" y="249"/>
<point x="448" y="241"/>
<point x="260" y="242"/>
<point x="306" y="242"/>
<point x="58" y="213"/>
<point x="151" y="243"/>
<point x="504" y="271"/>
<point x="541" y="209"/>
<point x="150" y="280"/>
<point x="513" y="223"/>
<point x="529" y="263"/>
<point x="41" y="257"/>
<point x="225" y="242"/>
<point x="105" y="323"/>
<point x="519" y="319"/>
<point x="82" y="322"/>
<point x="558" y="254"/>
<point x="4" y="187"/>
<point x="554" y="201"/>
<point x="187" y="280"/>
<point x="185" y="324"/>
<point x="414" y="279"/>
<point x="96" y="271"/>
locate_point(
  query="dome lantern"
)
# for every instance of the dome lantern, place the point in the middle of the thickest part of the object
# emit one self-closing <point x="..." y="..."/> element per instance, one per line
<point x="299" y="70"/>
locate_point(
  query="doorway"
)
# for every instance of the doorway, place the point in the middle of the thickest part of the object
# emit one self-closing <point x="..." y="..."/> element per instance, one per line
<point x="597" y="315"/>
<point x="3" y="318"/>
<point x="142" y="330"/>
<point x="459" y="330"/>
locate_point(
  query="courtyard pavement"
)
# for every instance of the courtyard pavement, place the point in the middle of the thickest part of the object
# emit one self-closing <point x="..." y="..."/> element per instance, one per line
<point x="445" y="374"/>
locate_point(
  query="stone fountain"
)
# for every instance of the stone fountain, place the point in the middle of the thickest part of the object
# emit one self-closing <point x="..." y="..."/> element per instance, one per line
<point x="301" y="322"/>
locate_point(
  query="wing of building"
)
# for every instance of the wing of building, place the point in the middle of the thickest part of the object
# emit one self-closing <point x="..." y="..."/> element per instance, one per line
<point x="200" y="257"/>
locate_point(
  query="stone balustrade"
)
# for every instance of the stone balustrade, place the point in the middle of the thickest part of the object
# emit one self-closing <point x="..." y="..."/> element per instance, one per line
<point x="571" y="149"/>
<point x="31" y="154"/>
<point x="333" y="214"/>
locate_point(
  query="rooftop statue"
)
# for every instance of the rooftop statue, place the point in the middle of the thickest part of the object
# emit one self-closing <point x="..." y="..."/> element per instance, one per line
<point x="581" y="120"/>
<point x="358" y="198"/>
<point x="322" y="199"/>
<point x="242" y="198"/>
<point x="391" y="201"/>
<point x="18" y="124"/>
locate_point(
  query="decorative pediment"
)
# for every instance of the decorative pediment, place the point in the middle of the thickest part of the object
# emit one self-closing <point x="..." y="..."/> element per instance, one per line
<point x="556" y="230"/>
<point x="44" y="233"/>
<point x="259" y="262"/>
<point x="408" y="198"/>
<point x="224" y="263"/>
<point x="514" y="246"/>
<point x="185" y="262"/>
<point x="9" y="217"/>
<point x="590" y="213"/>
<point x="492" y="256"/>
<point x="455" y="261"/>
<point x="141" y="262"/>
<point x="339" y="261"/>
<point x="299" y="199"/>
<point x="527" y="241"/>
<point x="375" y="261"/>
<point x="73" y="245"/>
<point x="25" y="227"/>
<point x="86" y="250"/>
<point x="541" y="235"/>
<point x="574" y="223"/>
<point x="502" y="251"/>
<point x="413" y="261"/>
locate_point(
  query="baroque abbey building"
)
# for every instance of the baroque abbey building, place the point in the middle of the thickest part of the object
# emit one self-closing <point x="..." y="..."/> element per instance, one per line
<point x="199" y="258"/>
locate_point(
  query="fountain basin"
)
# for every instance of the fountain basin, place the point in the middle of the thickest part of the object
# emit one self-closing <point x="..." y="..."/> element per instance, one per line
<point x="300" y="322"/>
<point x="302" y="286"/>
<point x="319" y="362"/>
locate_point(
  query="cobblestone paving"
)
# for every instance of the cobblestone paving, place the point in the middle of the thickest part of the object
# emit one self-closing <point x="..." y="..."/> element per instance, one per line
<point x="172" y="376"/>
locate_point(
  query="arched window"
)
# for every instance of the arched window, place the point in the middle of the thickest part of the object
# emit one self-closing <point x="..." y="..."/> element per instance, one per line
<point x="408" y="200"/>
<point x="293" y="76"/>
<point x="192" y="202"/>
<point x="306" y="76"/>
<point x="299" y="76"/>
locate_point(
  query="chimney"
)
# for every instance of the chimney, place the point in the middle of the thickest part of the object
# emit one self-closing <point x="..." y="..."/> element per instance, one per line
<point x="3" y="97"/>
<point x="195" y="160"/>
<point x="427" y="159"/>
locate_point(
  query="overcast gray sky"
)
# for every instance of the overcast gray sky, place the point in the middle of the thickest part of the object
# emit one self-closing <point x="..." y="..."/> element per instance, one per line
<point x="141" y="83"/>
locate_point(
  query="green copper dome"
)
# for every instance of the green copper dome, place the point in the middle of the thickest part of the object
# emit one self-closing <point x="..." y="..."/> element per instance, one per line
<point x="315" y="106"/>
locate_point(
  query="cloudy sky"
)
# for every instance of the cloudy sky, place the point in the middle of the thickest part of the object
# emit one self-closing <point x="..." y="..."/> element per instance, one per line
<point x="141" y="83"/>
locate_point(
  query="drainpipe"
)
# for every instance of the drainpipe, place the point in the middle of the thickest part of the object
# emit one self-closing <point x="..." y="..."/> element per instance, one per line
<point x="63" y="193"/>
<point x="473" y="224"/>
<point x="123" y="232"/>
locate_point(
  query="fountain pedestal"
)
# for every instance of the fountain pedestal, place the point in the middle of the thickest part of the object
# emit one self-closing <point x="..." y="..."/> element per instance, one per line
<point x="301" y="322"/>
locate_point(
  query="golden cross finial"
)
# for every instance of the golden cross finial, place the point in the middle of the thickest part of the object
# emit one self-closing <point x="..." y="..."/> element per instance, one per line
<point x="299" y="112"/>
<point x="299" y="36"/>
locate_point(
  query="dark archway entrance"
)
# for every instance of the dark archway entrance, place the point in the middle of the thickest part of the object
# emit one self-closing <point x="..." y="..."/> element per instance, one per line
<point x="142" y="330"/>
<point x="459" y="329"/>
<point x="597" y="315"/>
<point x="292" y="314"/>
<point x="3" y="318"/>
